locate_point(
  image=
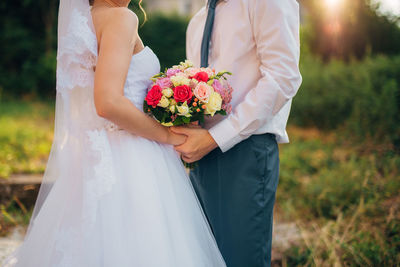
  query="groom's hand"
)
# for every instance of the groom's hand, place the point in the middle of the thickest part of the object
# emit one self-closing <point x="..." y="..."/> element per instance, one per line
<point x="199" y="143"/>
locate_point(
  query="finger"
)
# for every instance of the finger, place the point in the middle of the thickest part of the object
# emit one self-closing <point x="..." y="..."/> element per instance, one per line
<point x="187" y="160"/>
<point x="194" y="126"/>
<point x="186" y="155"/>
<point x="180" y="149"/>
<point x="180" y="130"/>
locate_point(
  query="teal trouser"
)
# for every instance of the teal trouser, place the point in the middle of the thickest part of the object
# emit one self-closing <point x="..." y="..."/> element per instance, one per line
<point x="237" y="191"/>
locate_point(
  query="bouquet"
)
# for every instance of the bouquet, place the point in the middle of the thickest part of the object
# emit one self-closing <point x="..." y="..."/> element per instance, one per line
<point x="184" y="94"/>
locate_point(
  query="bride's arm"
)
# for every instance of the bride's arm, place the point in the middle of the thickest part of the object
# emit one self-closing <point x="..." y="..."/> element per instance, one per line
<point x="117" y="40"/>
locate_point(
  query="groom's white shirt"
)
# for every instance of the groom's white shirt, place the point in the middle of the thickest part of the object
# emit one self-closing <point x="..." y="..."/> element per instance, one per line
<point x="258" y="41"/>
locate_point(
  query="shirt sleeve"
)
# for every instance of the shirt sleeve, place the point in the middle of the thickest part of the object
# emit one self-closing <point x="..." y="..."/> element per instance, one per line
<point x="189" y="50"/>
<point x="275" y="25"/>
<point x="191" y="53"/>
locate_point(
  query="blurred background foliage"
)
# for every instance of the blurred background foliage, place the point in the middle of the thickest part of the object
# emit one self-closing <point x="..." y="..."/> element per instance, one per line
<point x="340" y="176"/>
<point x="349" y="29"/>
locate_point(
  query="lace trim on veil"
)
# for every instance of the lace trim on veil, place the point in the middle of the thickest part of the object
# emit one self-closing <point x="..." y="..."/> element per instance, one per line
<point x="78" y="54"/>
<point x="76" y="59"/>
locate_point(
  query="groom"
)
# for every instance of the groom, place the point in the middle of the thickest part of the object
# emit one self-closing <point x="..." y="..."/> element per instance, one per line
<point x="237" y="174"/>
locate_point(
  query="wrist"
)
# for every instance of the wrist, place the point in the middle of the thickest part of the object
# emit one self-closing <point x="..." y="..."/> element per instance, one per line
<point x="168" y="136"/>
<point x="211" y="142"/>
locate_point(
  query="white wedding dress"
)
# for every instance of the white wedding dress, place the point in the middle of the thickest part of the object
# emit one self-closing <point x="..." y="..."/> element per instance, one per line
<point x="135" y="208"/>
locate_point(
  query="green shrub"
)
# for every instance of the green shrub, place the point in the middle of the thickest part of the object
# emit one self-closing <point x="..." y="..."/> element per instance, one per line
<point x="166" y="36"/>
<point x="361" y="96"/>
<point x="29" y="67"/>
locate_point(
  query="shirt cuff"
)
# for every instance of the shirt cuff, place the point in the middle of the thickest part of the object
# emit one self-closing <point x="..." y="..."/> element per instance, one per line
<point x="225" y="135"/>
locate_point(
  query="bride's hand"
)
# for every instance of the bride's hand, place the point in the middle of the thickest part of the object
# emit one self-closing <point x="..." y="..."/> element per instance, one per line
<point x="175" y="139"/>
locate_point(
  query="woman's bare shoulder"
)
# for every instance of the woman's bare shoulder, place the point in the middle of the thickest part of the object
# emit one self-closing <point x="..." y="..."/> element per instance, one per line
<point x="122" y="17"/>
<point x="118" y="20"/>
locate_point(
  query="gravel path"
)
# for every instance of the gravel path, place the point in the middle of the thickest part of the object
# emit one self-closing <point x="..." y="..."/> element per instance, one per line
<point x="285" y="234"/>
<point x="10" y="243"/>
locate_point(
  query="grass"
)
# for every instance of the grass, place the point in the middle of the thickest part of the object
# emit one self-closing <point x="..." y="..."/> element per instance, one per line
<point x="346" y="202"/>
<point x="13" y="214"/>
<point x="26" y="131"/>
<point x="344" y="197"/>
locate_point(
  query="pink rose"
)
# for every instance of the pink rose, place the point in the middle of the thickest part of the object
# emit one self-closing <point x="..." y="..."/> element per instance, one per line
<point x="172" y="72"/>
<point x="164" y="83"/>
<point x="203" y="92"/>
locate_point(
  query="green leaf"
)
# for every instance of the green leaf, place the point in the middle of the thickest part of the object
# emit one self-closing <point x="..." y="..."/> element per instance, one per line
<point x="222" y="112"/>
<point x="186" y="120"/>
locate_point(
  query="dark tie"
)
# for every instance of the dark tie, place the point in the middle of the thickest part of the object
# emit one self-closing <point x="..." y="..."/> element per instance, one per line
<point x="205" y="43"/>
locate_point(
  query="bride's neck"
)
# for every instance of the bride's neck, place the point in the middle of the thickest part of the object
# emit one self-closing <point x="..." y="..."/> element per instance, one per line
<point x="113" y="3"/>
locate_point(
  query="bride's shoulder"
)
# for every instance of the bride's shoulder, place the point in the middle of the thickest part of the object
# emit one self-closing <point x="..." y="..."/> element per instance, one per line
<point x="121" y="18"/>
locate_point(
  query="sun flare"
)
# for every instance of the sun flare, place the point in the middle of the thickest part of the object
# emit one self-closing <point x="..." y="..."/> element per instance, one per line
<point x="332" y="3"/>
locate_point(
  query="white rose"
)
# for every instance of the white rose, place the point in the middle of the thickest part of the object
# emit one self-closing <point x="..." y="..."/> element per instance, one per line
<point x="168" y="92"/>
<point x="214" y="104"/>
<point x="180" y="80"/>
<point x="186" y="81"/>
<point x="172" y="109"/>
<point x="183" y="110"/>
<point x="164" y="102"/>
<point x="176" y="80"/>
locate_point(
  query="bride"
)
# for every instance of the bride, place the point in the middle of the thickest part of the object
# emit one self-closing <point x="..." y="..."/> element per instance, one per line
<point x="115" y="192"/>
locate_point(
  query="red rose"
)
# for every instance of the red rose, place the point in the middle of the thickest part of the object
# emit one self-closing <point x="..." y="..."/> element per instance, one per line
<point x="183" y="93"/>
<point x="154" y="96"/>
<point x="201" y="76"/>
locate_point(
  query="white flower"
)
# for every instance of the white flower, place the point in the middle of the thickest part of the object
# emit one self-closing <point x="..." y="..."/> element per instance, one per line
<point x="172" y="109"/>
<point x="183" y="110"/>
<point x="168" y="92"/>
<point x="186" y="64"/>
<point x="178" y="80"/>
<point x="164" y="102"/>
<point x="214" y="104"/>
